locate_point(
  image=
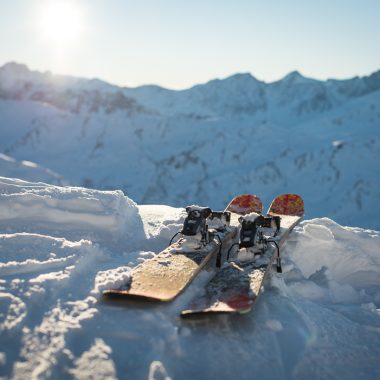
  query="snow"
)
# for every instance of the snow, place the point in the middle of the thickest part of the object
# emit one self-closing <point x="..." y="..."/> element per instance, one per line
<point x="95" y="363"/>
<point x="201" y="145"/>
<point x="28" y="170"/>
<point x="41" y="207"/>
<point x="61" y="246"/>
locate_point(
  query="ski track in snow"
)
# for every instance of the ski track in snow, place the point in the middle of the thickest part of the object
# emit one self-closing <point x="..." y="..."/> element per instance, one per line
<point x="61" y="247"/>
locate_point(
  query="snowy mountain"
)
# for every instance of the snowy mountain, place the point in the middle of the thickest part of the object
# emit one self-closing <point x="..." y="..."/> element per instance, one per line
<point x="29" y="171"/>
<point x="204" y="144"/>
<point x="61" y="246"/>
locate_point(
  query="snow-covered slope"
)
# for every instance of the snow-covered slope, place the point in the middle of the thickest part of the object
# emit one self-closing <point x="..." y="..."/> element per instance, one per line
<point x="28" y="170"/>
<point x="205" y="144"/>
<point x="60" y="247"/>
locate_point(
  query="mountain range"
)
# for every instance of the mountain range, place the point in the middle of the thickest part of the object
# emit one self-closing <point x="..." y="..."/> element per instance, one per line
<point x="201" y="145"/>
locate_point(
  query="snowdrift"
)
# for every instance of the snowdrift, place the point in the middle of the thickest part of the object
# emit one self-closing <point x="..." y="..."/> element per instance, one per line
<point x="61" y="246"/>
<point x="73" y="212"/>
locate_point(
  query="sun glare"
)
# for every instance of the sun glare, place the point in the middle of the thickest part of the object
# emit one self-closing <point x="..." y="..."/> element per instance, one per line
<point x="61" y="22"/>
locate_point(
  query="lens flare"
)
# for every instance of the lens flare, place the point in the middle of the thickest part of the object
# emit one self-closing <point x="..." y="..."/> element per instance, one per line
<point x="61" y="22"/>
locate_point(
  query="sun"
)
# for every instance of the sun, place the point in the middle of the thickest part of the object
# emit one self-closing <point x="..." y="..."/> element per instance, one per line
<point x="61" y="22"/>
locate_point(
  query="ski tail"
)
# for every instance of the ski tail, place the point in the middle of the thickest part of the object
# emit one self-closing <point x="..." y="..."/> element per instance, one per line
<point x="245" y="204"/>
<point x="287" y="204"/>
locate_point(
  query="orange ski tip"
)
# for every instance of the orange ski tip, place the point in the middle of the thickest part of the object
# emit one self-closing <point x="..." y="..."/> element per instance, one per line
<point x="245" y="204"/>
<point x="288" y="204"/>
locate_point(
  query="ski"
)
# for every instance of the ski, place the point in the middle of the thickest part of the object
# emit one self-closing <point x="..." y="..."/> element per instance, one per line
<point x="236" y="286"/>
<point x="203" y="237"/>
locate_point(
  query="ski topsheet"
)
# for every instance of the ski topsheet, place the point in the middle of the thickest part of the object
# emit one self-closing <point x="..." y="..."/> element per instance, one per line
<point x="245" y="204"/>
<point x="236" y="286"/>
<point x="169" y="272"/>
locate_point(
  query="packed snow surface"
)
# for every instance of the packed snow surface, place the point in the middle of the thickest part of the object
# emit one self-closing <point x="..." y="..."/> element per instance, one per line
<point x="60" y="247"/>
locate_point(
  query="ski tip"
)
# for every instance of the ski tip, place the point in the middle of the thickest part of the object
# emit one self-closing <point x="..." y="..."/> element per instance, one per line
<point x="287" y="204"/>
<point x="245" y="204"/>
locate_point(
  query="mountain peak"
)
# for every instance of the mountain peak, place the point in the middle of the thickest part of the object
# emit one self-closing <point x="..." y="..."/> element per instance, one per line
<point x="294" y="73"/>
<point x="241" y="78"/>
<point x="235" y="80"/>
<point x="15" y="68"/>
<point x="13" y="72"/>
<point x="295" y="77"/>
<point x="248" y="76"/>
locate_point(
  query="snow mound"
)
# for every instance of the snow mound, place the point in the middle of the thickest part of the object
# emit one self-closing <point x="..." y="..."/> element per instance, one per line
<point x="338" y="264"/>
<point x="71" y="212"/>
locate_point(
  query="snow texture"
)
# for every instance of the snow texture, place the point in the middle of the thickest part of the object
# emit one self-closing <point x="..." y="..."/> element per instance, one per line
<point x="61" y="246"/>
<point x="96" y="214"/>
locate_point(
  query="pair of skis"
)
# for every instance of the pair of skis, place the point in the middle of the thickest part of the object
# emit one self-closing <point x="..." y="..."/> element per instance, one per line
<point x="208" y="236"/>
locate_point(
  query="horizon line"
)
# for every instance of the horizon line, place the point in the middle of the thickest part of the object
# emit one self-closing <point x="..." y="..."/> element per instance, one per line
<point x="247" y="73"/>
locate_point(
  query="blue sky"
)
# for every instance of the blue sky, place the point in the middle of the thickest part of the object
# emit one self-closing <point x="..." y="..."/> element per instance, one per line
<point x="179" y="43"/>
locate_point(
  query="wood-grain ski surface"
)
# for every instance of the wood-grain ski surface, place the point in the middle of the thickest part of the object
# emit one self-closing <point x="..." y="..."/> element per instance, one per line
<point x="166" y="275"/>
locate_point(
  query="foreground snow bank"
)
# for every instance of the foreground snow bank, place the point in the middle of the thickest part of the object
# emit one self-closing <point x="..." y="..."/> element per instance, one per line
<point x="60" y="247"/>
<point x="71" y="212"/>
<point x="335" y="264"/>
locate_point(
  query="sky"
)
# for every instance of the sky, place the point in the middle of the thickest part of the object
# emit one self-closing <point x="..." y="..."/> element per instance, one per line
<point x="179" y="43"/>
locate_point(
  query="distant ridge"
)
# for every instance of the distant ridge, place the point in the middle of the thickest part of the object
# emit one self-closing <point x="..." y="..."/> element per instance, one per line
<point x="15" y="69"/>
